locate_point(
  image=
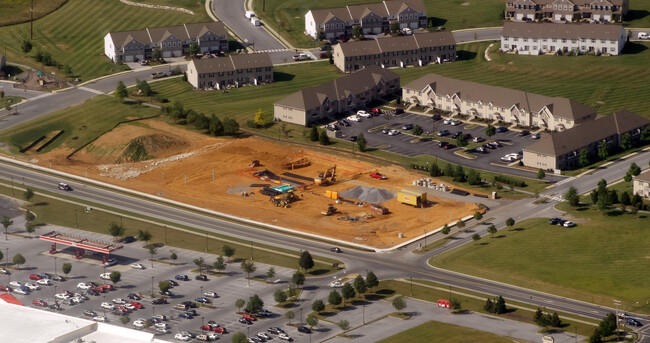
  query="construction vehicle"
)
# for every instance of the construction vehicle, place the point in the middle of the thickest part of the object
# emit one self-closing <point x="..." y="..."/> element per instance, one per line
<point x="379" y="176"/>
<point x="327" y="177"/>
<point x="283" y="200"/>
<point x="330" y="210"/>
<point x="254" y="163"/>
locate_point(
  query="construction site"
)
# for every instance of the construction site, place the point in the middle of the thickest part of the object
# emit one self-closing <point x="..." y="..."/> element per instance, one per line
<point x="279" y="184"/>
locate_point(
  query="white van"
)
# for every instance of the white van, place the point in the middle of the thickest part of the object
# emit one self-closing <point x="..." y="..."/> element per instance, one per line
<point x="249" y="14"/>
<point x="642" y="35"/>
<point x="255" y="21"/>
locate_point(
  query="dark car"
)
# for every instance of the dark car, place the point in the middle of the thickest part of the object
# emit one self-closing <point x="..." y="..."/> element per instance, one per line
<point x="173" y="283"/>
<point x="468" y="135"/>
<point x="436" y="117"/>
<point x="322" y="55"/>
<point x="501" y="129"/>
<point x="245" y="321"/>
<point x="189" y="304"/>
<point x="456" y="134"/>
<point x="93" y="293"/>
<point x="303" y="329"/>
<point x="201" y="277"/>
<point x="44" y="275"/>
<point x="133" y="296"/>
<point x="442" y="133"/>
<point x="181" y="277"/>
<point x="167" y="293"/>
<point x="159" y="301"/>
<point x="58" y="278"/>
<point x="407" y="127"/>
<point x="554" y="221"/>
<point x="353" y="138"/>
<point x="442" y="144"/>
<point x="336" y="250"/>
<point x="128" y="239"/>
<point x="633" y="322"/>
<point x="448" y="146"/>
<point x="325" y="47"/>
<point x="343" y="122"/>
<point x="203" y="300"/>
<point x="524" y="133"/>
<point x="398" y="111"/>
<point x="118" y="312"/>
<point x="192" y="312"/>
<point x="185" y="315"/>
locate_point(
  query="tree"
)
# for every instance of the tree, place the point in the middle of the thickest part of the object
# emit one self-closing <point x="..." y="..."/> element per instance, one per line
<point x="555" y="320"/>
<point x="228" y="251"/>
<point x="28" y="195"/>
<point x="321" y="35"/>
<point x="594" y="196"/>
<point x="417" y="130"/>
<point x="371" y="280"/>
<point x="120" y="91"/>
<point x="125" y="319"/>
<point x="583" y="160"/>
<point x="306" y="262"/>
<point x="626" y="141"/>
<point x="473" y="177"/>
<point x="219" y="264"/>
<point x="461" y="140"/>
<point x="356" y="31"/>
<point x="313" y="134"/>
<point x="280" y="296"/>
<point x="360" y="285"/>
<point x="164" y="286"/>
<point x="116" y="230"/>
<point x="435" y="170"/>
<point x="572" y="197"/>
<point x="478" y="215"/>
<point x="29" y="216"/>
<point x="216" y="126"/>
<point x="66" y="268"/>
<point x="510" y="222"/>
<point x="596" y="337"/>
<point x="500" y="306"/>
<point x="445" y="230"/>
<point x="156" y="54"/>
<point x="7" y="222"/>
<point x="239" y="337"/>
<point x="26" y="47"/>
<point x="239" y="303"/>
<point x="449" y="170"/>
<point x="270" y="273"/>
<point x="608" y="325"/>
<point x="290" y="315"/>
<point x="476" y="237"/>
<point x="194" y="49"/>
<point x="255" y="304"/>
<point x="603" y="150"/>
<point x="312" y="320"/>
<point x="394" y="27"/>
<point x="399" y="303"/>
<point x="625" y="198"/>
<point x="144" y="235"/>
<point x="1" y="255"/>
<point x="248" y="267"/>
<point x="343" y="324"/>
<point x="492" y="229"/>
<point x="199" y="263"/>
<point x="259" y="118"/>
<point x="19" y="259"/>
<point x="362" y="143"/>
<point x="460" y="224"/>
<point x="489" y="306"/>
<point x="334" y="298"/>
<point x="143" y="87"/>
<point x="298" y="278"/>
<point x="173" y="256"/>
<point x="645" y="135"/>
<point x="634" y="169"/>
<point x="459" y="174"/>
<point x="541" y="174"/>
<point x="318" y="306"/>
<point x="115" y="277"/>
<point x="323" y="139"/>
<point x="490" y="130"/>
<point x="230" y="127"/>
<point x="347" y="292"/>
<point x="30" y="227"/>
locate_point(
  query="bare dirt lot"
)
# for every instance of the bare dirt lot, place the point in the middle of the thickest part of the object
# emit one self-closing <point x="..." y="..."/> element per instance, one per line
<point x="156" y="158"/>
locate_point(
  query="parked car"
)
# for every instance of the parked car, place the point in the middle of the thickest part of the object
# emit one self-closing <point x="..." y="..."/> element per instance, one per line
<point x="633" y="322"/>
<point x="201" y="277"/>
<point x="343" y="123"/>
<point x="536" y="135"/>
<point x="455" y="122"/>
<point x="249" y="317"/>
<point x="100" y="319"/>
<point x="4" y="271"/>
<point x="397" y="111"/>
<point x="436" y="117"/>
<point x="108" y="287"/>
<point x="182" y="277"/>
<point x="185" y="315"/>
<point x="173" y="283"/>
<point x="39" y="302"/>
<point x="303" y="329"/>
<point x="4" y="288"/>
<point x="331" y="127"/>
<point x="138" y="266"/>
<point x="64" y="187"/>
<point x="393" y="132"/>
<point x="105" y="276"/>
<point x="245" y="321"/>
<point x="442" y="144"/>
<point x="443" y="133"/>
<point x="140" y="323"/>
<point x="336" y="284"/>
<point x="523" y="133"/>
<point x="364" y="114"/>
<point x="353" y="138"/>
<point x="89" y="313"/>
<point x="263" y="335"/>
<point x="34" y="277"/>
<point x="159" y="301"/>
<point x="375" y="110"/>
<point x="275" y="331"/>
<point x="119" y="312"/>
<point x="44" y="282"/>
<point x="189" y="304"/>
<point x="107" y="305"/>
<point x="137" y="305"/>
<point x="182" y="337"/>
<point x="160" y="317"/>
<point x="456" y="134"/>
<point x="407" y="127"/>
<point x="501" y="129"/>
<point x="110" y="262"/>
<point x="31" y="286"/>
<point x="58" y="278"/>
<point x="301" y="57"/>
<point x="448" y="146"/>
<point x="379" y="176"/>
<point x="478" y="139"/>
<point x="354" y="118"/>
<point x="569" y="223"/>
<point x="128" y="239"/>
<point x="283" y="336"/>
<point x="385" y="131"/>
<point x="203" y="300"/>
<point x="554" y="221"/>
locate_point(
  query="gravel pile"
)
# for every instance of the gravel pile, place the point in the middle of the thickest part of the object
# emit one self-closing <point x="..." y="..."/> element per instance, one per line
<point x="368" y="194"/>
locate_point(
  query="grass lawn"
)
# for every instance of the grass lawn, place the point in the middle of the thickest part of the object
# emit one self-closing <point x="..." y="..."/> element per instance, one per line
<point x="440" y="332"/>
<point x="58" y="212"/>
<point x="74" y="34"/>
<point x="18" y="11"/>
<point x="584" y="262"/>
<point x="638" y="15"/>
<point x="81" y="123"/>
<point x="288" y="16"/>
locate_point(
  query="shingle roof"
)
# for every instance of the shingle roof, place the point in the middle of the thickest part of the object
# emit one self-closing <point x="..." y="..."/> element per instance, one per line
<point x="561" y="30"/>
<point x="579" y="136"/>
<point x="232" y="62"/>
<point x="356" y="12"/>
<point x="580" y="2"/>
<point x="324" y="15"/>
<point x="360" y="11"/>
<point x="400" y="43"/>
<point x="157" y="34"/>
<point x="338" y="89"/>
<point x="645" y="176"/>
<point x="396" y="6"/>
<point x="197" y="29"/>
<point x="501" y="97"/>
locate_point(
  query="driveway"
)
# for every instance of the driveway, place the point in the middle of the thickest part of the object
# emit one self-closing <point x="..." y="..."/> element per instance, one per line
<point x="231" y="12"/>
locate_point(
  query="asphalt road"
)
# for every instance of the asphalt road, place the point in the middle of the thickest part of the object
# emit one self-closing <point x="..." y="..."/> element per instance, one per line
<point x="231" y="12"/>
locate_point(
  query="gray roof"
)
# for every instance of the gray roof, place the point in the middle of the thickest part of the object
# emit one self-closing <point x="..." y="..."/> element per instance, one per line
<point x="501" y="97"/>
<point x="400" y="43"/>
<point x="356" y="12"/>
<point x="231" y="63"/>
<point x="157" y="34"/>
<point x="645" y="176"/>
<point x="561" y="30"/>
<point x="580" y="2"/>
<point x="338" y="89"/>
<point x="397" y="6"/>
<point x="580" y="136"/>
<point x="360" y="11"/>
<point x="324" y="15"/>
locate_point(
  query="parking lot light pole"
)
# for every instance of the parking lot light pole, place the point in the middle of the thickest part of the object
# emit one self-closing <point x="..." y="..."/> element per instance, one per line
<point x="201" y="294"/>
<point x="54" y="265"/>
<point x="152" y="286"/>
<point x="248" y="330"/>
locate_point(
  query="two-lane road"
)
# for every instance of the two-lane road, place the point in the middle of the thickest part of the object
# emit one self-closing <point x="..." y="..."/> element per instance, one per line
<point x="231" y="12"/>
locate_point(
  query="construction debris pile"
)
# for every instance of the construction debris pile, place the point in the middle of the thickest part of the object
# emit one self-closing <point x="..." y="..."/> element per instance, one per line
<point x="428" y="183"/>
<point x="361" y="218"/>
<point x="368" y="194"/>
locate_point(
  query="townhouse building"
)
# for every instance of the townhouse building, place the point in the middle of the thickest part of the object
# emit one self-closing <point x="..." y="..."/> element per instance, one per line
<point x="233" y="70"/>
<point x="418" y="49"/>
<point x="567" y="10"/>
<point x="493" y="103"/>
<point x="345" y="94"/>
<point x="542" y="38"/>
<point x="561" y="150"/>
<point x="172" y="41"/>
<point x="641" y="184"/>
<point x="372" y="18"/>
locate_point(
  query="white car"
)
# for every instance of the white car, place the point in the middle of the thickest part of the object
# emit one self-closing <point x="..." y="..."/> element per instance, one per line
<point x="107" y="305"/>
<point x="84" y="286"/>
<point x="78" y="299"/>
<point x="4" y="271"/>
<point x="446" y="121"/>
<point x="455" y="122"/>
<point x="119" y="301"/>
<point x="163" y="330"/>
<point x="32" y="286"/>
<point x="111" y="261"/>
<point x="213" y="336"/>
<point x="393" y="133"/>
<point x="264" y="335"/>
<point x="210" y="294"/>
<point x="138" y="266"/>
<point x="569" y="223"/>
<point x="162" y="325"/>
<point x="354" y="118"/>
<point x="363" y="114"/>
<point x="20" y="291"/>
<point x="181" y="337"/>
<point x="101" y="319"/>
<point x="284" y="336"/>
<point x="15" y="284"/>
<point x="44" y="282"/>
<point x="139" y="323"/>
<point x="105" y="276"/>
<point x="62" y="296"/>
<point x="129" y="306"/>
<point x="336" y="284"/>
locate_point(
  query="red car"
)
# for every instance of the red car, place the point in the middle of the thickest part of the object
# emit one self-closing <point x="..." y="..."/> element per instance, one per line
<point x="375" y="110"/>
<point x="376" y="175"/>
<point x="108" y="287"/>
<point x="4" y="288"/>
<point x="99" y="289"/>
<point x="219" y="329"/>
<point x="34" y="277"/>
<point x="122" y="308"/>
<point x="206" y="328"/>
<point x="137" y="305"/>
<point x="39" y="302"/>
<point x="249" y="317"/>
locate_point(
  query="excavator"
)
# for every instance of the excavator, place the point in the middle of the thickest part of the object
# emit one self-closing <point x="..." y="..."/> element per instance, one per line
<point x="330" y="210"/>
<point x="327" y="177"/>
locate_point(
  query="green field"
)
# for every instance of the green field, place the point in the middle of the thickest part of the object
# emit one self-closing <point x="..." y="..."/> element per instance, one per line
<point x="288" y="16"/>
<point x="603" y="258"/>
<point x="440" y="332"/>
<point x="81" y="123"/>
<point x="638" y="15"/>
<point x="74" y="34"/>
<point x="18" y="11"/>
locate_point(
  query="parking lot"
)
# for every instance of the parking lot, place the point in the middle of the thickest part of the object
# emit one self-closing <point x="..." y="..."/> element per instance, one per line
<point x="406" y="144"/>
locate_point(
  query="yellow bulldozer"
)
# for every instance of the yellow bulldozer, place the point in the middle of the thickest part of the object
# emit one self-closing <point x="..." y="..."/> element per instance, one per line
<point x="327" y="177"/>
<point x="283" y="200"/>
<point x="330" y="210"/>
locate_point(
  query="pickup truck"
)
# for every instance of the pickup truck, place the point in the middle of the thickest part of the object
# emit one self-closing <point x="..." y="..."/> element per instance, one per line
<point x="379" y="176"/>
<point x="301" y="57"/>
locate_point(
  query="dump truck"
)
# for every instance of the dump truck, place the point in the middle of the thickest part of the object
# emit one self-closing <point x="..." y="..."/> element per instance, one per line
<point x="414" y="198"/>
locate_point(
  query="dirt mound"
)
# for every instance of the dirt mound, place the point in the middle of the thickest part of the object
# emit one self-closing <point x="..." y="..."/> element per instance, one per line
<point x="368" y="194"/>
<point x="144" y="147"/>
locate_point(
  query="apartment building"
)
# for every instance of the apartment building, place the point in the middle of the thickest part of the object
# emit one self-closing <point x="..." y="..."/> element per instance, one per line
<point x="480" y="101"/>
<point x="567" y="10"/>
<point x="561" y="150"/>
<point x="345" y="94"/>
<point x="418" y="49"/>
<point x="641" y="184"/>
<point x="172" y="41"/>
<point x="542" y="38"/>
<point x="233" y="70"/>
<point x="372" y="18"/>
